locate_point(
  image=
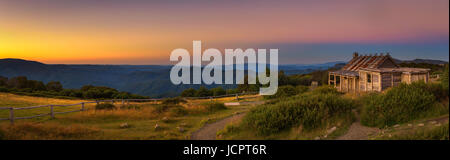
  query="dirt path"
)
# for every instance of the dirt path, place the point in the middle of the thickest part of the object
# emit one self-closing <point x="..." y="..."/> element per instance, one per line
<point x="208" y="132"/>
<point x="358" y="131"/>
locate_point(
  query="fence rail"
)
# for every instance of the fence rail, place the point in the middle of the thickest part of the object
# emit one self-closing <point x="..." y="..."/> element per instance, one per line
<point x="52" y="113"/>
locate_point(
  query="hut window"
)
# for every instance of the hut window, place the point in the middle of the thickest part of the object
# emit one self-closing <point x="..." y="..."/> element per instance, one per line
<point x="338" y="79"/>
<point x="369" y="78"/>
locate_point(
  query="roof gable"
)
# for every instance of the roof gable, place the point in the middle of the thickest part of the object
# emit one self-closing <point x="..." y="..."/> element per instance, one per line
<point x="369" y="61"/>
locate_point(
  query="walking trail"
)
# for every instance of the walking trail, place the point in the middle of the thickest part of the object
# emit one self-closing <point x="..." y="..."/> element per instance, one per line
<point x="208" y="132"/>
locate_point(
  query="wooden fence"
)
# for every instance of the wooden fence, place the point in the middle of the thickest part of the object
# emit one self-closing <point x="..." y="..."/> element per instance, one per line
<point x="52" y="113"/>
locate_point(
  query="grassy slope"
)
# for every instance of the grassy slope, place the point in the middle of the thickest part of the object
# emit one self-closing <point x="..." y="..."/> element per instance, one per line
<point x="93" y="124"/>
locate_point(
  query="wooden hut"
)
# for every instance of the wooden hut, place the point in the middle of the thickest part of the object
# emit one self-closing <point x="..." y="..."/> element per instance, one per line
<point x="373" y="73"/>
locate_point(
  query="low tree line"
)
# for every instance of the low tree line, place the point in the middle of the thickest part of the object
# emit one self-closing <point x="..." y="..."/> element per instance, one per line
<point x="205" y="92"/>
<point x="24" y="86"/>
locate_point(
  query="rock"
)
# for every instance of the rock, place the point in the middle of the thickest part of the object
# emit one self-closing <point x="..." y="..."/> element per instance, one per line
<point x="157" y="127"/>
<point x="165" y="119"/>
<point x="180" y="129"/>
<point x="433" y="122"/>
<point x="437" y="125"/>
<point x="409" y="125"/>
<point x="183" y="125"/>
<point x="390" y="135"/>
<point x="325" y="136"/>
<point x="420" y="124"/>
<point x="331" y="130"/>
<point x="124" y="125"/>
<point x="397" y="125"/>
<point x="317" y="138"/>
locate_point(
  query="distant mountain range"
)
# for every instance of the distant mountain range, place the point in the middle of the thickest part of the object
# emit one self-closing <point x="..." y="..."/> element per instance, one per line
<point x="149" y="80"/>
<point x="430" y="61"/>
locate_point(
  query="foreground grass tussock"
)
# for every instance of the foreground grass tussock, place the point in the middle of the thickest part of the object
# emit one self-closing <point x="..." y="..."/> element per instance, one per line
<point x="29" y="131"/>
<point x="402" y="104"/>
<point x="436" y="133"/>
<point x="309" y="110"/>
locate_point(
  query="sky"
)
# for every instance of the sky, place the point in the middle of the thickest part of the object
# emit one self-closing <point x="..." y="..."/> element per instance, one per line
<point x="145" y="32"/>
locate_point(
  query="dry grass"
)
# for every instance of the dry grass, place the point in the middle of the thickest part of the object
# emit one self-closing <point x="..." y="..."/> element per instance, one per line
<point x="33" y="130"/>
<point x="105" y="124"/>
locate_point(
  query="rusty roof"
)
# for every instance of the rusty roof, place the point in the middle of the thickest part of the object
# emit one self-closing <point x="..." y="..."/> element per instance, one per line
<point x="366" y="61"/>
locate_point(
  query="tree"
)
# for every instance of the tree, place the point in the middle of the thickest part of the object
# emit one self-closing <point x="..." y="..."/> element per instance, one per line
<point x="18" y="82"/>
<point x="218" y="91"/>
<point x="36" y="85"/>
<point x="3" y="81"/>
<point x="188" y="93"/>
<point x="203" y="92"/>
<point x="54" y="86"/>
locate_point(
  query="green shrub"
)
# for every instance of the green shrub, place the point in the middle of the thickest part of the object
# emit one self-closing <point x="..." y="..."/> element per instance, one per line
<point x="301" y="89"/>
<point x="105" y="106"/>
<point x="325" y="90"/>
<point x="176" y="100"/>
<point x="399" y="104"/>
<point x="436" y="89"/>
<point x="311" y="111"/>
<point x="283" y="92"/>
<point x="215" y="106"/>
<point x="3" y="89"/>
<point x="444" y="78"/>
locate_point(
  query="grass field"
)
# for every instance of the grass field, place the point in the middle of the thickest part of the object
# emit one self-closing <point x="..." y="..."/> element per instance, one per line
<point x="141" y="120"/>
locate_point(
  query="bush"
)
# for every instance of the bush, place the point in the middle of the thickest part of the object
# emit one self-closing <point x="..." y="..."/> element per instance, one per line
<point x="215" y="106"/>
<point x="397" y="105"/>
<point x="325" y="90"/>
<point x="105" y="106"/>
<point x="444" y="80"/>
<point x="283" y="92"/>
<point x="176" y="100"/>
<point x="311" y="111"/>
<point x="436" y="89"/>
<point x="301" y="89"/>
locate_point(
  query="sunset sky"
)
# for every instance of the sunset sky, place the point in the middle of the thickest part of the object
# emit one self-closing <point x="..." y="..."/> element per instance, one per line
<point x="145" y="32"/>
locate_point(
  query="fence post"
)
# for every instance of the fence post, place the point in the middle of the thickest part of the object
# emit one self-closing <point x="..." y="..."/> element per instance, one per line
<point x="11" y="115"/>
<point x="82" y="106"/>
<point x="97" y="102"/>
<point x="52" y="114"/>
<point x="237" y="96"/>
<point x="211" y="98"/>
<point x="123" y="102"/>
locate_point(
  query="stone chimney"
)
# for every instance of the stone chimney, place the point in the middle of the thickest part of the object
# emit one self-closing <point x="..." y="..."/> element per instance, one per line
<point x="355" y="54"/>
